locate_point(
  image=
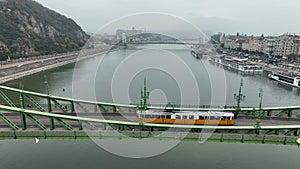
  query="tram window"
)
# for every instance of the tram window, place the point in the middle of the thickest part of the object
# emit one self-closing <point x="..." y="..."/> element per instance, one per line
<point x="184" y="117"/>
<point x="206" y="117"/>
<point x="216" y="118"/>
<point x="163" y="116"/>
<point x="168" y="116"/>
<point x="201" y="117"/>
<point x="178" y="117"/>
<point x="191" y="116"/>
<point x="213" y="118"/>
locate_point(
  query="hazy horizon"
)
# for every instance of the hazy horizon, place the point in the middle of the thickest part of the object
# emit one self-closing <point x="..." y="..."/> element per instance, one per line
<point x="268" y="17"/>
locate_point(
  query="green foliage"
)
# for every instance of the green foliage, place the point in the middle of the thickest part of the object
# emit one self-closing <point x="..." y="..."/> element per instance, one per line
<point x="66" y="36"/>
<point x="7" y="52"/>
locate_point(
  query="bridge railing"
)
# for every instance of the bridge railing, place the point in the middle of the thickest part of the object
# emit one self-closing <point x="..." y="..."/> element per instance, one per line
<point x="39" y="100"/>
<point x="69" y="122"/>
<point x="156" y="135"/>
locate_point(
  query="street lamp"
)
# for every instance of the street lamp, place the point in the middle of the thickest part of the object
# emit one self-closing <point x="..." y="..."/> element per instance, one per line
<point x="143" y="104"/>
<point x="260" y="111"/>
<point x="239" y="97"/>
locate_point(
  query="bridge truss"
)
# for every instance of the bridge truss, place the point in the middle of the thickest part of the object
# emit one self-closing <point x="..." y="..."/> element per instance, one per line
<point x="48" y="113"/>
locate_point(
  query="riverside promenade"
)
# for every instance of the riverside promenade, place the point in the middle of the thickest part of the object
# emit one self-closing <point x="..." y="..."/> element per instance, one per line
<point x="281" y="68"/>
<point x="18" y="69"/>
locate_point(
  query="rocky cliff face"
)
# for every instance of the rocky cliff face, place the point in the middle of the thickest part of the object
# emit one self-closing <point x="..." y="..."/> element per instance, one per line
<point x="27" y="28"/>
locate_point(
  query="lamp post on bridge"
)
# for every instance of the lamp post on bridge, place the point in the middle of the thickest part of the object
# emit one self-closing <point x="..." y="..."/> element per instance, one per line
<point x="260" y="111"/>
<point x="144" y="98"/>
<point x="239" y="97"/>
<point x="22" y="105"/>
<point x="142" y="107"/>
<point x="48" y="93"/>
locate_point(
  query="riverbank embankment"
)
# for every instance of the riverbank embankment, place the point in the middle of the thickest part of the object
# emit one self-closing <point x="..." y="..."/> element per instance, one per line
<point x="16" y="70"/>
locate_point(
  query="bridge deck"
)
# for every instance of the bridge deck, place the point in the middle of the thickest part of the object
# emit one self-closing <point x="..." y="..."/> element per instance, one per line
<point x="87" y="119"/>
<point x="151" y="107"/>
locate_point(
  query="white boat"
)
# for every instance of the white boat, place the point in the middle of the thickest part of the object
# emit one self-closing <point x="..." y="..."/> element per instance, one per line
<point x="240" y="64"/>
<point x="196" y="53"/>
<point x="289" y="79"/>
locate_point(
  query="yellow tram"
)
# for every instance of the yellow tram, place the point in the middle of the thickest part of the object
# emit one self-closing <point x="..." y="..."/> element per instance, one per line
<point x="186" y="117"/>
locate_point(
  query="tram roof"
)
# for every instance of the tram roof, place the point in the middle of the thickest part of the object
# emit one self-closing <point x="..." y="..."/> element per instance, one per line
<point x="201" y="113"/>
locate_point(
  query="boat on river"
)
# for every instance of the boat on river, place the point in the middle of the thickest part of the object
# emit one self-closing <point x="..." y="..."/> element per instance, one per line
<point x="197" y="53"/>
<point x="240" y="64"/>
<point x="291" y="79"/>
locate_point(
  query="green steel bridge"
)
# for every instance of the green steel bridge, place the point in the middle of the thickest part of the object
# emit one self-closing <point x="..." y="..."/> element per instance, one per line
<point x="47" y="114"/>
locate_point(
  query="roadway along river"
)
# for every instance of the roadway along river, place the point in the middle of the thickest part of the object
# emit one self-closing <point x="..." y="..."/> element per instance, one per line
<point x="167" y="81"/>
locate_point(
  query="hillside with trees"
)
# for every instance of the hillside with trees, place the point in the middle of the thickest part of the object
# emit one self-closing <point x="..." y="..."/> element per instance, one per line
<point x="27" y="29"/>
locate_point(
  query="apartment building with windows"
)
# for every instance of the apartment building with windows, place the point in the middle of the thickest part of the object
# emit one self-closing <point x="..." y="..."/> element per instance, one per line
<point x="281" y="46"/>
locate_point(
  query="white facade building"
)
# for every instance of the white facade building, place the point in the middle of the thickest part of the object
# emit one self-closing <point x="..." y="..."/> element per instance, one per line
<point x="283" y="45"/>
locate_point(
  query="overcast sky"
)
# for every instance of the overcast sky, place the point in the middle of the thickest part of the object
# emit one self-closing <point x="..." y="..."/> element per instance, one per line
<point x="270" y="17"/>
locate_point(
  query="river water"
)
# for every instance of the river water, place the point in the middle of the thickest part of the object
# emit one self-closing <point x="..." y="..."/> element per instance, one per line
<point x="167" y="81"/>
<point x="84" y="154"/>
<point x="162" y="81"/>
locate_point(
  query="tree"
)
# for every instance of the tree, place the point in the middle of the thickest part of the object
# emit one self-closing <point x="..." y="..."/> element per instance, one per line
<point x="7" y="52"/>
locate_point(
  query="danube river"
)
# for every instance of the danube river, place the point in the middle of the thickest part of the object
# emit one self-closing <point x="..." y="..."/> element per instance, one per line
<point x="84" y="154"/>
<point x="167" y="81"/>
<point x="215" y="85"/>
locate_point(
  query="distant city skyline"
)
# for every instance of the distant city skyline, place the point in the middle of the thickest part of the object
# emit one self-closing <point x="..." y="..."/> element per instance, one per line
<point x="269" y="17"/>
